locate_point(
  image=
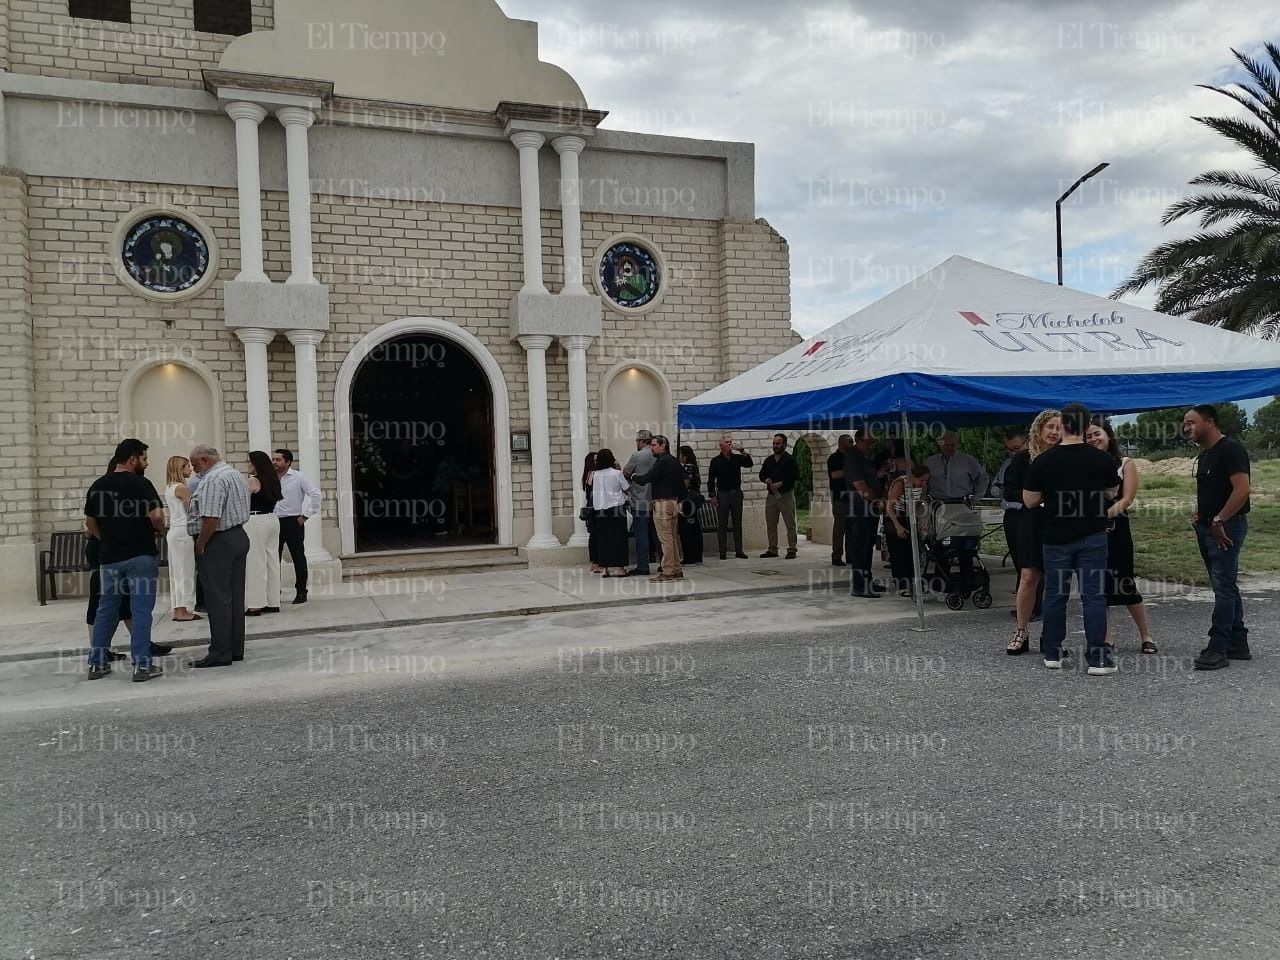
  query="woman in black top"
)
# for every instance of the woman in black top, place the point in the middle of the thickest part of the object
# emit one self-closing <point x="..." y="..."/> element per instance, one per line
<point x="262" y="572"/>
<point x="1122" y="583"/>
<point x="690" y="526"/>
<point x="897" y="526"/>
<point x="1046" y="432"/>
<point x="588" y="511"/>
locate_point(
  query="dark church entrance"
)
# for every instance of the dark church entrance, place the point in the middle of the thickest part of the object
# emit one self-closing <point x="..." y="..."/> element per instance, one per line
<point x="422" y="448"/>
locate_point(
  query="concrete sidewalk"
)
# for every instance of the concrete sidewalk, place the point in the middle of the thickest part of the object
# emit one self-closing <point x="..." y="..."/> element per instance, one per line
<point x="58" y="629"/>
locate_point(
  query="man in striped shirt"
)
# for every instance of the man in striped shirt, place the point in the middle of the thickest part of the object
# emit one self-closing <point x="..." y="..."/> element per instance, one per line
<point x="216" y="516"/>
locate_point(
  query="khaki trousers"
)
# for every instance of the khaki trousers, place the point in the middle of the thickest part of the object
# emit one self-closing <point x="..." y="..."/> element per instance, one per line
<point x="666" y="514"/>
<point x="784" y="505"/>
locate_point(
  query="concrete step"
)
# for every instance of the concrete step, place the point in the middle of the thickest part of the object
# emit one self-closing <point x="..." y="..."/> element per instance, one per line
<point x="432" y="563"/>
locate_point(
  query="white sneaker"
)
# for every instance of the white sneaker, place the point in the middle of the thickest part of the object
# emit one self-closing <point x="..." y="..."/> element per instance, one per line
<point x="1103" y="671"/>
<point x="1053" y="664"/>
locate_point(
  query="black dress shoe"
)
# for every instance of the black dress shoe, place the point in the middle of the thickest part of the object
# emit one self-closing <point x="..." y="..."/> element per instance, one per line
<point x="769" y="555"/>
<point x="791" y="555"/>
<point x="270" y="609"/>
<point x="143" y="674"/>
<point x="97" y="673"/>
<point x="161" y="649"/>
<point x="301" y="597"/>
<point x="206" y="662"/>
<point x="740" y="555"/>
<point x="253" y="613"/>
<point x="838" y="563"/>
<point x="864" y="594"/>
<point x="724" y="556"/>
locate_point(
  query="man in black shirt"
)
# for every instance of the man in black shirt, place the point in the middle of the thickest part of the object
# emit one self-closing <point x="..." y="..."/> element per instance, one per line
<point x="866" y="502"/>
<point x="724" y="490"/>
<point x="666" y="478"/>
<point x="779" y="475"/>
<point x="1074" y="482"/>
<point x="1221" y="524"/>
<point x="839" y="497"/>
<point x="124" y="512"/>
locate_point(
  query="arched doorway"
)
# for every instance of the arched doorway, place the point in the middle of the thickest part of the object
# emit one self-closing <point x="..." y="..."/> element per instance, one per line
<point x="170" y="405"/>
<point x="635" y="397"/>
<point x="422" y="441"/>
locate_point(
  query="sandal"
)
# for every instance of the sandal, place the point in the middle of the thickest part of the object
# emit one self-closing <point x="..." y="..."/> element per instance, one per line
<point x="1020" y="643"/>
<point x="1149" y="646"/>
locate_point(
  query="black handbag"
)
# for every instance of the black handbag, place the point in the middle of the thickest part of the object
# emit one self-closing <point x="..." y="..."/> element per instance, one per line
<point x="586" y="513"/>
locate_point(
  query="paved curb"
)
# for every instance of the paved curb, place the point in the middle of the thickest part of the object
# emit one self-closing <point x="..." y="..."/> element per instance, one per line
<point x="449" y="618"/>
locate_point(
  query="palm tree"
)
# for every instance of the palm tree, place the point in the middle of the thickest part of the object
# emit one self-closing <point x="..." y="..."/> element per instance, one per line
<point x="1228" y="273"/>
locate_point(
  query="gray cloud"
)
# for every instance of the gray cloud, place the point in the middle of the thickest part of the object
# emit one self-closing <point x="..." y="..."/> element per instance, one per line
<point x="892" y="135"/>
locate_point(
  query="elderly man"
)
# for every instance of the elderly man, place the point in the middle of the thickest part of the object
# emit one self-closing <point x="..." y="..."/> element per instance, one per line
<point x="956" y="476"/>
<point x="641" y="463"/>
<point x="724" y="489"/>
<point x="953" y="474"/>
<point x="216" y="516"/>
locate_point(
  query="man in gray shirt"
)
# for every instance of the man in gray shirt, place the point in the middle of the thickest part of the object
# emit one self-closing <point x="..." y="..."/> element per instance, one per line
<point x="953" y="474"/>
<point x="641" y="462"/>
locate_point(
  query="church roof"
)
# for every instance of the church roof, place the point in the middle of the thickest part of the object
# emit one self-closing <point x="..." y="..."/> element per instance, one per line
<point x="463" y="54"/>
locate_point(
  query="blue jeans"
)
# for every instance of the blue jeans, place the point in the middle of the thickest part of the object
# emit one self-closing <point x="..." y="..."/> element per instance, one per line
<point x="142" y="576"/>
<point x="1087" y="559"/>
<point x="1227" y="629"/>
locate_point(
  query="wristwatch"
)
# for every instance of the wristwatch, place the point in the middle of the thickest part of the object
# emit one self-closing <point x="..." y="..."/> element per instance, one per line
<point x="1217" y="521"/>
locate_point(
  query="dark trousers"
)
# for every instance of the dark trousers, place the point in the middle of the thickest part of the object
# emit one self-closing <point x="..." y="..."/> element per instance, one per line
<point x="1086" y="559"/>
<point x="729" y="505"/>
<point x="860" y="548"/>
<point x="690" y="532"/>
<point x="1227" y="630"/>
<point x="839" y="519"/>
<point x="646" y="536"/>
<point x="222" y="569"/>
<point x="294" y="536"/>
<point x="901" y="562"/>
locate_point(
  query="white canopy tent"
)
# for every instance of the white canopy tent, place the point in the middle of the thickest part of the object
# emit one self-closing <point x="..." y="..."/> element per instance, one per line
<point x="970" y="343"/>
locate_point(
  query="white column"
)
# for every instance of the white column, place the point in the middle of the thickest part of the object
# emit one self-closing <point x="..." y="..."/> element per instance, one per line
<point x="257" y="395"/>
<point x="249" y="187"/>
<point x="571" y="211"/>
<point x="577" y="347"/>
<point x="530" y="209"/>
<point x="297" y="121"/>
<point x="304" y="356"/>
<point x="539" y="442"/>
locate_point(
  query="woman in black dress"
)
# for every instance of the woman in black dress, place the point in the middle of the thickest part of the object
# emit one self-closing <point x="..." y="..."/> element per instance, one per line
<point x="1046" y="432"/>
<point x="690" y="526"/>
<point x="1122" y="584"/>
<point x="589" y="511"/>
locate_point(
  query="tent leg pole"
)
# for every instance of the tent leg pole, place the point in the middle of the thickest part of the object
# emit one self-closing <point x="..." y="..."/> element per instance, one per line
<point x="909" y="492"/>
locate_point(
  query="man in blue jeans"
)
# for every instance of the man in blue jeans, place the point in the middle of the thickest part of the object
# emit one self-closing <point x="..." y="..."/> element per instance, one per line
<point x="124" y="512"/>
<point x="1075" y="482"/>
<point x="1221" y="524"/>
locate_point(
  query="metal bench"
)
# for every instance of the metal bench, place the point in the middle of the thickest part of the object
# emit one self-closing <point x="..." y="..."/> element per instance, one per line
<point x="66" y="554"/>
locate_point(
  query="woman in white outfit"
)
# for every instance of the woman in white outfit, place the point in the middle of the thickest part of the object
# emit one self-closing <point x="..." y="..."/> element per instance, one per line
<point x="262" y="574"/>
<point x="182" y="549"/>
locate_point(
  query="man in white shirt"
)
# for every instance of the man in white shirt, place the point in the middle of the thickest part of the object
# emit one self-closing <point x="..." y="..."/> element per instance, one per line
<point x="300" y="502"/>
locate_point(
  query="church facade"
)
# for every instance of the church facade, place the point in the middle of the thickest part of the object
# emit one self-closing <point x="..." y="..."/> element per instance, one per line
<point x="395" y="243"/>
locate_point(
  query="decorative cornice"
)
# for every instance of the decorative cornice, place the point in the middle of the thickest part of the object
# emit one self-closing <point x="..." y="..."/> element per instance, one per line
<point x="215" y="80"/>
<point x="564" y="115"/>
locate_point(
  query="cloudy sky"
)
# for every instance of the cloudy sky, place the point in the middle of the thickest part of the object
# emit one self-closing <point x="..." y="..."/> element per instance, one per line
<point x="891" y="134"/>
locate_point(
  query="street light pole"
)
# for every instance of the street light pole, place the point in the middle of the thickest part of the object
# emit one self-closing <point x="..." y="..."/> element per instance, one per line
<point x="1057" y="209"/>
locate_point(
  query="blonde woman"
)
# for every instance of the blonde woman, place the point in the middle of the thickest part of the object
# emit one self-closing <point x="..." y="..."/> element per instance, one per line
<point x="182" y="549"/>
<point x="1046" y="432"/>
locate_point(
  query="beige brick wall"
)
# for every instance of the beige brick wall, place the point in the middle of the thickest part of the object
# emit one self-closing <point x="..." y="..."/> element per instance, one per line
<point x="382" y="262"/>
<point x="17" y="399"/>
<point x="160" y="47"/>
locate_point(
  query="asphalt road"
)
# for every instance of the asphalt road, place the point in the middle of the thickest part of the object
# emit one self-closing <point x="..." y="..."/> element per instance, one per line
<point x="845" y="793"/>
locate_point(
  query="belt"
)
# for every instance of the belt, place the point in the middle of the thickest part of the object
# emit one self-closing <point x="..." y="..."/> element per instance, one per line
<point x="261" y="513"/>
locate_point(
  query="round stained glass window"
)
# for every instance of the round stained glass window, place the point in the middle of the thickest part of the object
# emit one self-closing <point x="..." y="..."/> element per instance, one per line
<point x="630" y="276"/>
<point x="165" y="254"/>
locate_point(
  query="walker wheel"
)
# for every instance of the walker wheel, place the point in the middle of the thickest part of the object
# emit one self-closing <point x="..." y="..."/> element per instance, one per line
<point x="982" y="599"/>
<point x="955" y="601"/>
